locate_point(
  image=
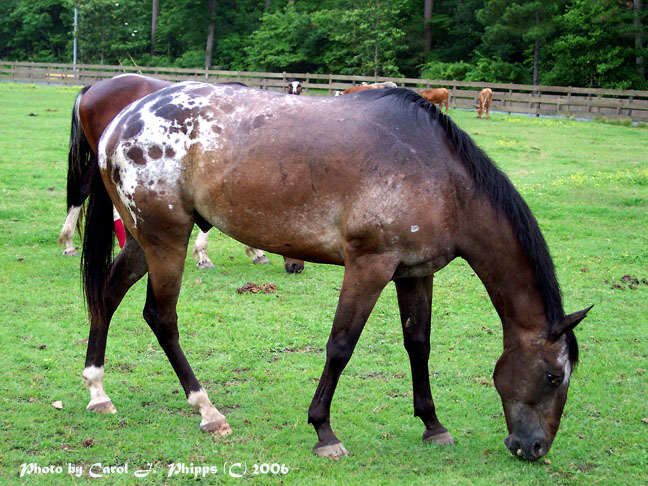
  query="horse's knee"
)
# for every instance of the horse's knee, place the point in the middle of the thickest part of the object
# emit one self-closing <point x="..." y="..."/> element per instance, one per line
<point x="416" y="344"/>
<point x="339" y="350"/>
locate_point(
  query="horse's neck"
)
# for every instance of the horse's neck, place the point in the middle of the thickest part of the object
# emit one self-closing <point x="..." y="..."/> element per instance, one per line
<point x="494" y="252"/>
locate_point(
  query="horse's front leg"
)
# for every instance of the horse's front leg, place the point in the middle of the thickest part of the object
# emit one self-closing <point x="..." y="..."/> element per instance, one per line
<point x="364" y="279"/>
<point x="414" y="303"/>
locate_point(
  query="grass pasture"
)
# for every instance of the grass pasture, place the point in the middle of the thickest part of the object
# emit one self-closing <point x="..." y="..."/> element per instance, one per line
<point x="259" y="356"/>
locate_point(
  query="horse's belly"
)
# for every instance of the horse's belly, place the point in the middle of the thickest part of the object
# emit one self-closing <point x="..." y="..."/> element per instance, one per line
<point x="275" y="220"/>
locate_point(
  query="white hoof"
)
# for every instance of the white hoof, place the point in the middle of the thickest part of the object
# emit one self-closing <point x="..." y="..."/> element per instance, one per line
<point x="102" y="407"/>
<point x="441" y="439"/>
<point x="334" y="451"/>
<point x="99" y="401"/>
<point x="73" y="253"/>
<point x="205" y="265"/>
<point x="261" y="260"/>
<point x="220" y="427"/>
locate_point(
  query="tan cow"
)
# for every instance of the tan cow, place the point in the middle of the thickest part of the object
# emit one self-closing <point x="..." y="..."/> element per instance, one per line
<point x="436" y="96"/>
<point x="485" y="99"/>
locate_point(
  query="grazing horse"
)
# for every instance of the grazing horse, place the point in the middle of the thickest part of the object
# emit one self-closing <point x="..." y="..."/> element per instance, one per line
<point x="94" y="108"/>
<point x="379" y="182"/>
<point x="365" y="86"/>
<point x="485" y="99"/>
<point x="436" y="96"/>
<point x="294" y="86"/>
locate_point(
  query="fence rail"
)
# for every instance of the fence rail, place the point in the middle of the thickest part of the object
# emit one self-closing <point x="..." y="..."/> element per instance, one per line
<point x="510" y="98"/>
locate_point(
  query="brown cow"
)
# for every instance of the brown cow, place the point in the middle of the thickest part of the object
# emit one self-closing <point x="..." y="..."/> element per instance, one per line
<point x="436" y="96"/>
<point x="364" y="86"/>
<point x="485" y="99"/>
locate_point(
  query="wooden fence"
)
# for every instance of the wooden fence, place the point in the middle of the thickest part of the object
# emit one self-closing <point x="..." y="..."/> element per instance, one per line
<point x="508" y="98"/>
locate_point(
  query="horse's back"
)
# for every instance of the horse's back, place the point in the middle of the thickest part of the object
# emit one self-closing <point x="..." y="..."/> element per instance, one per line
<point x="106" y="98"/>
<point x="310" y="173"/>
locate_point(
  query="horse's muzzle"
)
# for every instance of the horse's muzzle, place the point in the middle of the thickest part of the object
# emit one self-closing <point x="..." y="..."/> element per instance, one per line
<point x="531" y="448"/>
<point x="294" y="266"/>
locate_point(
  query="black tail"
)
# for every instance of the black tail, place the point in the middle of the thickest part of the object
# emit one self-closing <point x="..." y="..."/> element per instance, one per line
<point x="80" y="161"/>
<point x="97" y="247"/>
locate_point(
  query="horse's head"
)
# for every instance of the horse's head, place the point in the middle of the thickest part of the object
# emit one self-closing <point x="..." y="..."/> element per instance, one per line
<point x="532" y="379"/>
<point x="294" y="87"/>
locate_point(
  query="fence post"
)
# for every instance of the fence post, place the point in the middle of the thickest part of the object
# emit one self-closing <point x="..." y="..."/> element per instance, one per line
<point x="510" y="100"/>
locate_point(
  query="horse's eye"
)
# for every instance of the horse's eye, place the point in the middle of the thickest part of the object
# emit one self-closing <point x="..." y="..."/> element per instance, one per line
<point x="554" y="380"/>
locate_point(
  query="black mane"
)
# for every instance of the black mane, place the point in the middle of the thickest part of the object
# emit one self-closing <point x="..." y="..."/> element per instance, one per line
<point x="490" y="180"/>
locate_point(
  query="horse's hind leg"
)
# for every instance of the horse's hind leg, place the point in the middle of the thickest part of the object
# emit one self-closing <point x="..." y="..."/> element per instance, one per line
<point x="414" y="303"/>
<point x="166" y="265"/>
<point x="200" y="251"/>
<point x="128" y="268"/>
<point x="258" y="257"/>
<point x="364" y="280"/>
<point x="66" y="238"/>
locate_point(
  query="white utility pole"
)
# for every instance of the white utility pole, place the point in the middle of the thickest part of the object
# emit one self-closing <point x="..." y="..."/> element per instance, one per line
<point x="76" y="22"/>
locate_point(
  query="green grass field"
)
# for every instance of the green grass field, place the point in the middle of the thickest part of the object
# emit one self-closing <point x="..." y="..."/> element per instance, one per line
<point x="260" y="356"/>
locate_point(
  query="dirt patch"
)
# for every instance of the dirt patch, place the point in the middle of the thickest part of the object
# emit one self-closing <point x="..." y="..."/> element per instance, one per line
<point x="632" y="283"/>
<point x="252" y="288"/>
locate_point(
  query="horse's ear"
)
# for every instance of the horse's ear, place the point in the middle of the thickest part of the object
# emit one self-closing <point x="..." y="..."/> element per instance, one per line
<point x="569" y="322"/>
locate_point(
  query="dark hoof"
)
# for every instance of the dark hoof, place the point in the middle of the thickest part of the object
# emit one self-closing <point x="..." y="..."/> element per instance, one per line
<point x="220" y="427"/>
<point x="444" y="438"/>
<point x="334" y="451"/>
<point x="102" y="407"/>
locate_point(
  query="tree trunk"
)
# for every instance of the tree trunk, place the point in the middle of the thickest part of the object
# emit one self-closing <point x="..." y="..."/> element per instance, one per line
<point x="210" y="34"/>
<point x="428" y="8"/>
<point x="376" y="42"/>
<point x="536" y="54"/>
<point x="268" y="2"/>
<point x="103" y="38"/>
<point x="154" y="21"/>
<point x="638" y="13"/>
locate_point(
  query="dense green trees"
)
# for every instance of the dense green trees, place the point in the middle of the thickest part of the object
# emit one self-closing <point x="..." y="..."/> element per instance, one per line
<point x="564" y="42"/>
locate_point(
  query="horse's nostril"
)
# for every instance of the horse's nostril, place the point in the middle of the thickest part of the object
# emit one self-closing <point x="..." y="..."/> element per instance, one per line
<point x="512" y="444"/>
<point x="538" y="450"/>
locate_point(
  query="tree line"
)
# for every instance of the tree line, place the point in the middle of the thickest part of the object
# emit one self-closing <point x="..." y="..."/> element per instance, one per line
<point x="587" y="43"/>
